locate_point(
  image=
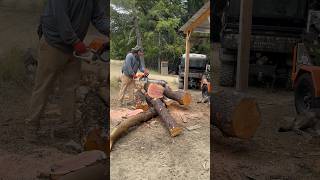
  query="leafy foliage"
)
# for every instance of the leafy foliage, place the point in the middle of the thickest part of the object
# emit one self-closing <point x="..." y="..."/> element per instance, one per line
<point x="159" y="23"/>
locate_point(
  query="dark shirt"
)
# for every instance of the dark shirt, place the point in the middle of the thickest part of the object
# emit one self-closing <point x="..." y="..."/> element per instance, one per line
<point x="65" y="22"/>
<point x="132" y="64"/>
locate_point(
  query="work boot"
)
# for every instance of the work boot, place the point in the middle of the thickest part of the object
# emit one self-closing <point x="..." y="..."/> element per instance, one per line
<point x="31" y="131"/>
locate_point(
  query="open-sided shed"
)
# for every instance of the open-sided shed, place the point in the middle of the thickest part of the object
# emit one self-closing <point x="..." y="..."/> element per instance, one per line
<point x="200" y="23"/>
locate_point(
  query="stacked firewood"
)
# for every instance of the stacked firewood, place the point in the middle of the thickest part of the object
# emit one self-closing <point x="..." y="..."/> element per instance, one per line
<point x="153" y="99"/>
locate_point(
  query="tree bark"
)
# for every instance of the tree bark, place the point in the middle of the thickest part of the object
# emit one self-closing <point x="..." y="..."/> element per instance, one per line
<point x="138" y="34"/>
<point x="124" y="126"/>
<point x="235" y="114"/>
<point x="182" y="97"/>
<point x="165" y="116"/>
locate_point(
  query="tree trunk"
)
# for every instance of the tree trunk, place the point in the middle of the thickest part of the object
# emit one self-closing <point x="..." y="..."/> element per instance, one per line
<point x="138" y="34"/>
<point x="235" y="114"/>
<point x="182" y="97"/>
<point x="165" y="116"/>
<point x="155" y="91"/>
<point x="124" y="126"/>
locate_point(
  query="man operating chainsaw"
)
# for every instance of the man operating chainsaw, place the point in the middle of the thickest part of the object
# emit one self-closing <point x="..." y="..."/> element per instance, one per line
<point x="63" y="25"/>
<point x="132" y="64"/>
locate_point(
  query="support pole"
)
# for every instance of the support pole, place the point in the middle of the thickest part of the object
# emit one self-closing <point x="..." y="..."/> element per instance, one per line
<point x="244" y="45"/>
<point x="187" y="61"/>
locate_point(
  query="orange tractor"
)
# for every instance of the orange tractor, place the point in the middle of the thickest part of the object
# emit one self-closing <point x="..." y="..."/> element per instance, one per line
<point x="306" y="78"/>
<point x="306" y="67"/>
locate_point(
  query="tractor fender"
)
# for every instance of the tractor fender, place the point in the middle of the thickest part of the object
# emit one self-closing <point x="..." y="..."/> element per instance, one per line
<point x="315" y="74"/>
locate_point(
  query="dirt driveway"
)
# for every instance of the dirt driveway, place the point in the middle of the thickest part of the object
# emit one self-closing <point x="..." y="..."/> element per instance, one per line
<point x="148" y="151"/>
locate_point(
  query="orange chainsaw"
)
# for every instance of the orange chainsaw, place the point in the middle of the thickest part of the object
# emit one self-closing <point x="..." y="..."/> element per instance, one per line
<point x="98" y="49"/>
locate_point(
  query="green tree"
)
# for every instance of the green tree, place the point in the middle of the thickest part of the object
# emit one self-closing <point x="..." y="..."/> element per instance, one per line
<point x="155" y="23"/>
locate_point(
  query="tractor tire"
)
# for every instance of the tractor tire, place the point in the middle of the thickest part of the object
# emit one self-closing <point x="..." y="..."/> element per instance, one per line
<point x="304" y="93"/>
<point x="226" y="74"/>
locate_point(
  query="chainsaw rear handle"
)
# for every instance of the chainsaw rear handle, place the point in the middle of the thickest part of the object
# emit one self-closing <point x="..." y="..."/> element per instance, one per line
<point x="85" y="56"/>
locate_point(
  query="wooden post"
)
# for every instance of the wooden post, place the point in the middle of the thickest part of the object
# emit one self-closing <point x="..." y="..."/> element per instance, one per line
<point x="187" y="61"/>
<point x="244" y="45"/>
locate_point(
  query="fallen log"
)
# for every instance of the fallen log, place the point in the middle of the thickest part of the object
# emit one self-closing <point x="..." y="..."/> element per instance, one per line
<point x="235" y="114"/>
<point x="182" y="97"/>
<point x="165" y="116"/>
<point x="155" y="90"/>
<point x="124" y="126"/>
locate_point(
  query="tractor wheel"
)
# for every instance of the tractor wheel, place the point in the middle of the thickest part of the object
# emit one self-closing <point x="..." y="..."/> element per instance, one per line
<point x="304" y="93"/>
<point x="226" y="74"/>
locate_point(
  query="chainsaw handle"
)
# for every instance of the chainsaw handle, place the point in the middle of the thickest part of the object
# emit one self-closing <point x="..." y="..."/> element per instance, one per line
<point x="87" y="57"/>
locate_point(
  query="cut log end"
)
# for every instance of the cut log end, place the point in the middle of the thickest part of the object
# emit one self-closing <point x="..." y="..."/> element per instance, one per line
<point x="175" y="131"/>
<point x="155" y="91"/>
<point x="246" y="119"/>
<point x="186" y="99"/>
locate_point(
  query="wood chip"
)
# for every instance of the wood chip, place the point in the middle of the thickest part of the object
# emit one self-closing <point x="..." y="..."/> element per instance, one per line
<point x="191" y="128"/>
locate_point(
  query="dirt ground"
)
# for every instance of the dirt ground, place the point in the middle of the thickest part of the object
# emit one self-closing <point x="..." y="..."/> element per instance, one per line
<point x="20" y="159"/>
<point x="148" y="151"/>
<point x="270" y="154"/>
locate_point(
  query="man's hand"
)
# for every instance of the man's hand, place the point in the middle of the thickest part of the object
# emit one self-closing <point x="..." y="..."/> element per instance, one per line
<point x="146" y="72"/>
<point x="80" y="48"/>
<point x="134" y="76"/>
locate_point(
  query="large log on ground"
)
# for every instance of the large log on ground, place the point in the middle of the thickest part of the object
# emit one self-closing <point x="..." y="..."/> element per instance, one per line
<point x="182" y="97"/>
<point x="124" y="126"/>
<point x="235" y="114"/>
<point x="155" y="90"/>
<point x="165" y="116"/>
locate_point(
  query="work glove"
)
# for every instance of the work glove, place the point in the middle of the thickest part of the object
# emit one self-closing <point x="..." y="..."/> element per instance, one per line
<point x="80" y="48"/>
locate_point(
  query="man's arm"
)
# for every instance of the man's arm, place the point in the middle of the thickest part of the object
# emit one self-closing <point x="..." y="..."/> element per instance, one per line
<point x="99" y="19"/>
<point x="142" y="66"/>
<point x="127" y="65"/>
<point x="63" y="22"/>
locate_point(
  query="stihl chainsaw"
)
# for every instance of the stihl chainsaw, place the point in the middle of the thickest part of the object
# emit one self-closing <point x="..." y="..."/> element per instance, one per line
<point x="97" y="50"/>
<point x="145" y="79"/>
